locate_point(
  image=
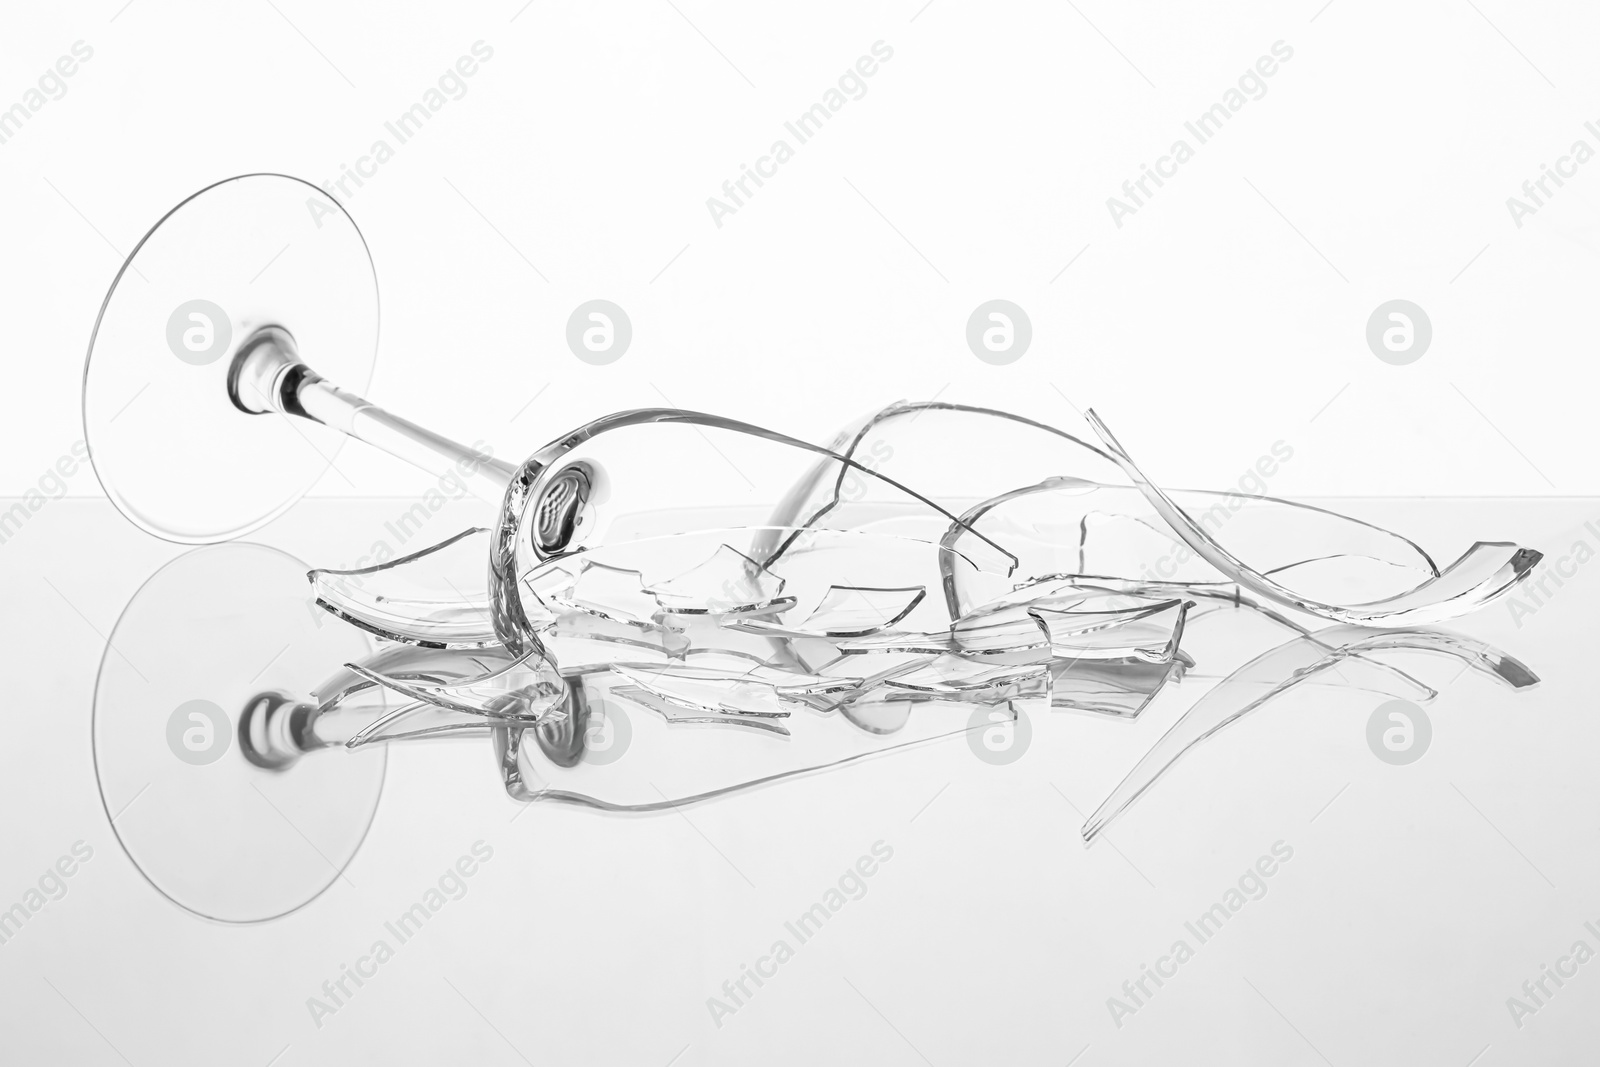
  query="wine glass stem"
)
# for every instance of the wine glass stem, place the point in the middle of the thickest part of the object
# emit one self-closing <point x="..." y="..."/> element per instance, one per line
<point x="268" y="375"/>
<point x="324" y="402"/>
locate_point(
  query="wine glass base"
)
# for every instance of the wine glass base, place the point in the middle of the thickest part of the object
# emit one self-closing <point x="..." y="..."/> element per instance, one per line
<point x="221" y="835"/>
<point x="173" y="451"/>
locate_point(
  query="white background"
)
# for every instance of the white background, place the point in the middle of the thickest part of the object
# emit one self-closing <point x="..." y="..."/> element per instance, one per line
<point x="1227" y="314"/>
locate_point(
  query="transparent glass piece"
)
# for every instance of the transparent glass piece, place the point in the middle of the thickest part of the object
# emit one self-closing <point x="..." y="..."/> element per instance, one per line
<point x="1280" y="670"/>
<point x="1068" y="526"/>
<point x="613" y="593"/>
<point x="580" y="642"/>
<point x="1070" y="592"/>
<point x="1139" y="635"/>
<point x="728" y="583"/>
<point x="436" y="598"/>
<point x="1486" y="571"/>
<point x="1123" y="690"/>
<point x="959" y="675"/>
<point x="913" y="444"/>
<point x="525" y="688"/>
<point x="845" y="611"/>
<point x="715" y="665"/>
<point x="1002" y="637"/>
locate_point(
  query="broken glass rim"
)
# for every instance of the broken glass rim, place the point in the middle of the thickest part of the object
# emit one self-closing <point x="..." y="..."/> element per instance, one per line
<point x="786" y="511"/>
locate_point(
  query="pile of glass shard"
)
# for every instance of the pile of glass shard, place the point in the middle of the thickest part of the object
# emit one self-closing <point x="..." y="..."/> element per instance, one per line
<point x="936" y="570"/>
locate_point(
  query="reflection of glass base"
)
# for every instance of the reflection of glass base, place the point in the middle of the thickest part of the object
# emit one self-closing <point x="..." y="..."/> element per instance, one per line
<point x="174" y="453"/>
<point x="205" y="638"/>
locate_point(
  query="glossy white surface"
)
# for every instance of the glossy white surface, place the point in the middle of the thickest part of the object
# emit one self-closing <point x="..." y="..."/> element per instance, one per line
<point x="1417" y="900"/>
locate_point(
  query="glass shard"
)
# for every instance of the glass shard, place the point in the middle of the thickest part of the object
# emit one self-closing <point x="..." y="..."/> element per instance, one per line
<point x="613" y="593"/>
<point x="845" y="611"/>
<point x="1486" y="571"/>
<point x="949" y="675"/>
<point x="729" y="583"/>
<point x="1138" y="635"/>
<point x="435" y="598"/>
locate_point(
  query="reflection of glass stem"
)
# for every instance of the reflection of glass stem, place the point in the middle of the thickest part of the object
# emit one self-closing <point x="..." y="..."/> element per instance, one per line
<point x="268" y="375"/>
<point x="349" y="711"/>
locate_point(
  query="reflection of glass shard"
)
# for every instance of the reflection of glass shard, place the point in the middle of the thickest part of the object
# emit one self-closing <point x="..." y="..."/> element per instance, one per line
<point x="1123" y="690"/>
<point x="420" y="719"/>
<point x="680" y="713"/>
<point x="706" y="690"/>
<point x="525" y="688"/>
<point x="1290" y="664"/>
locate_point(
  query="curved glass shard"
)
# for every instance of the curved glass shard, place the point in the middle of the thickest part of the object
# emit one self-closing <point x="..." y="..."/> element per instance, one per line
<point x="1280" y="670"/>
<point x="1123" y="690"/>
<point x="1069" y="526"/>
<point x="435" y="598"/>
<point x="1484" y="572"/>
<point x="1140" y="635"/>
<point x="949" y="675"/>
